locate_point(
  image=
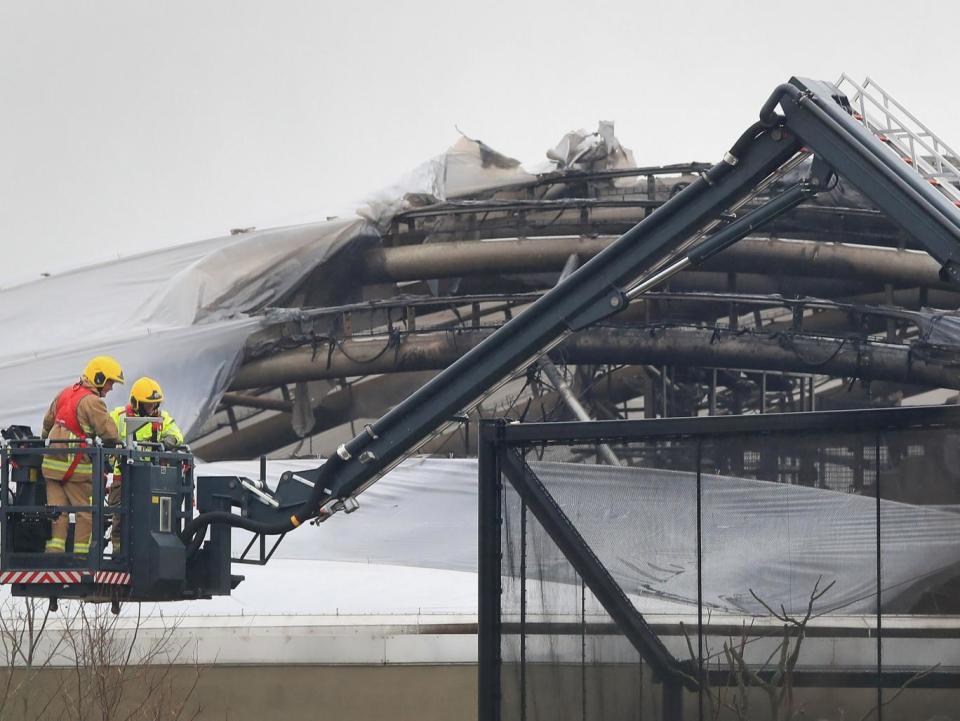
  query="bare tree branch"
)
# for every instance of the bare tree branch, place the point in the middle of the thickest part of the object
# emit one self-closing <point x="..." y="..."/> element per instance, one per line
<point x="903" y="687"/>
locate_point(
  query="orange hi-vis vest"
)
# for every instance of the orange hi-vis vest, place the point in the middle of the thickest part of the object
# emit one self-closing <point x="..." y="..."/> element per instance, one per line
<point x="65" y="466"/>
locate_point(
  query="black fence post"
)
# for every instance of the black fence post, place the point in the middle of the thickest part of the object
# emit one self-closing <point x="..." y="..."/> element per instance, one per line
<point x="876" y="489"/>
<point x="488" y="576"/>
<point x="702" y="677"/>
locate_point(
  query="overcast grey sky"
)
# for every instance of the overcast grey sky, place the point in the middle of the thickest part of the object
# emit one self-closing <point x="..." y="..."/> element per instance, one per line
<point x="130" y="124"/>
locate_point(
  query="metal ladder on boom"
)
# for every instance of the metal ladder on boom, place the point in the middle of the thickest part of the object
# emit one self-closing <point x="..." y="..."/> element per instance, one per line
<point x="905" y="135"/>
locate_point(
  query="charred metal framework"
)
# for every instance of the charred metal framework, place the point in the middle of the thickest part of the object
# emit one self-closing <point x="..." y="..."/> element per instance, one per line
<point x="806" y="319"/>
<point x="504" y="449"/>
<point x="702" y="220"/>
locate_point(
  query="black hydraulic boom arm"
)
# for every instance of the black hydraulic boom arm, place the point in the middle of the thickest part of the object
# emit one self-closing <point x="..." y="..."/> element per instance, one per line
<point x="815" y="117"/>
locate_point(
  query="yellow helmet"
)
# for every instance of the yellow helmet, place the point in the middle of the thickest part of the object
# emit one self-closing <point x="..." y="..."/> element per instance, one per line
<point x="145" y="390"/>
<point x="101" y="369"/>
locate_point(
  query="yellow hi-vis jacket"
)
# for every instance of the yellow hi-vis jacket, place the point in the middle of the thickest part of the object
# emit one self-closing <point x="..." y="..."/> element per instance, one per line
<point x="153" y="432"/>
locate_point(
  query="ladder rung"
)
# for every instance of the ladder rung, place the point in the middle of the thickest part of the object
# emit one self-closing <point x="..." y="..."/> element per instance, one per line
<point x="904" y="134"/>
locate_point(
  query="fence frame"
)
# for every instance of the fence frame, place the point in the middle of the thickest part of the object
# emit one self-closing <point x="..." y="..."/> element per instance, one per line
<point x="501" y="447"/>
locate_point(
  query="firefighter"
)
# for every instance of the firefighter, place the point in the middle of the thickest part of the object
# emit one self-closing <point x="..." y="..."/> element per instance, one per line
<point x="145" y="399"/>
<point x="78" y="412"/>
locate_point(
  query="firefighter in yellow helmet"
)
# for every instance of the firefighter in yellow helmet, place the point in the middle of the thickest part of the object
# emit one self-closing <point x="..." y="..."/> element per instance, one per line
<point x="145" y="399"/>
<point x="78" y="412"/>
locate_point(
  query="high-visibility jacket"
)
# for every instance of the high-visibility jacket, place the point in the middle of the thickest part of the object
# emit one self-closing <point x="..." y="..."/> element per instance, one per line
<point x="77" y="412"/>
<point x="152" y="432"/>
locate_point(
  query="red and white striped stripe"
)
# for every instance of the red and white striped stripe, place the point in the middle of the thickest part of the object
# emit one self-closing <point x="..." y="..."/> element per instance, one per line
<point x="40" y="577"/>
<point x="109" y="578"/>
<point x="112" y="578"/>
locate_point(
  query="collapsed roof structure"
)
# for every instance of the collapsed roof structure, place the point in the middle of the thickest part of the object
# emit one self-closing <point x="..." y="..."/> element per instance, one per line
<point x="281" y="341"/>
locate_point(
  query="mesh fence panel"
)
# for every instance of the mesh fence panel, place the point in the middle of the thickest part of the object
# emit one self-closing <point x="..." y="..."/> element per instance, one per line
<point x="788" y="559"/>
<point x="826" y="559"/>
<point x="919" y="490"/>
<point x="563" y="657"/>
<point x="640" y="522"/>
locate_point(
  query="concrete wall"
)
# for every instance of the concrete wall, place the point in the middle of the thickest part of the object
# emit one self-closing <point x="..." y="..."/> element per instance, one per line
<point x="250" y="693"/>
<point x="339" y="693"/>
<point x="426" y="693"/>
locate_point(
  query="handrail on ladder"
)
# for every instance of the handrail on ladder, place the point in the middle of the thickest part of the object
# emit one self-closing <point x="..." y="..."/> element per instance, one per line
<point x="895" y="129"/>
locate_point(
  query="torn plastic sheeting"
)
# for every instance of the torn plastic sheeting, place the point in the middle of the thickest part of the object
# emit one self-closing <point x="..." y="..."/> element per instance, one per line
<point x="249" y="273"/>
<point x="939" y="328"/>
<point x="181" y="285"/>
<point x="583" y="150"/>
<point x="178" y="315"/>
<point x="467" y="166"/>
<point x="471" y="167"/>
<point x="774" y="539"/>
<point x="194" y="366"/>
<point x="99" y="300"/>
<point x="423" y="513"/>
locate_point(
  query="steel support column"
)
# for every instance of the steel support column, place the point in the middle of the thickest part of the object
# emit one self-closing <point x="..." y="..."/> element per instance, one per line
<point x="488" y="576"/>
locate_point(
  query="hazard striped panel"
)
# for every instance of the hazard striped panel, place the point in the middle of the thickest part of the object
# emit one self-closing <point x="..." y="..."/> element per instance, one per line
<point x="40" y="577"/>
<point x="108" y="578"/>
<point x="112" y="578"/>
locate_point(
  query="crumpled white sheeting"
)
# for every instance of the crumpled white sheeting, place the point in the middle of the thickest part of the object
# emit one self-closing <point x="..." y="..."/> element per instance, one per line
<point x="182" y="314"/>
<point x="471" y="166"/>
<point x="179" y="315"/>
<point x="583" y="150"/>
<point x="468" y="166"/>
<point x="775" y="539"/>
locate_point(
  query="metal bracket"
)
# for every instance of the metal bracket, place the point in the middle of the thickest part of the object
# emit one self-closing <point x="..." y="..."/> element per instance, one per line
<point x="263" y="555"/>
<point x="950" y="273"/>
<point x="613" y="301"/>
<point x="348" y="505"/>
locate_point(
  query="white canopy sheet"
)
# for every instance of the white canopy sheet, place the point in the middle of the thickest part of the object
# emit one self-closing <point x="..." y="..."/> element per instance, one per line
<point x="180" y="315"/>
<point x="774" y="539"/>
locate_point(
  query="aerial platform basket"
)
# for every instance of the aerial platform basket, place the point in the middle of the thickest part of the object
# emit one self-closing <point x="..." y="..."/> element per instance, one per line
<point x="152" y="563"/>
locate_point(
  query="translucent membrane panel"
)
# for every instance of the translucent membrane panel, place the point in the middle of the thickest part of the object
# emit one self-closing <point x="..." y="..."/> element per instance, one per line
<point x="563" y="656"/>
<point x="640" y="520"/>
<point x="789" y="562"/>
<point x="512" y="676"/>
